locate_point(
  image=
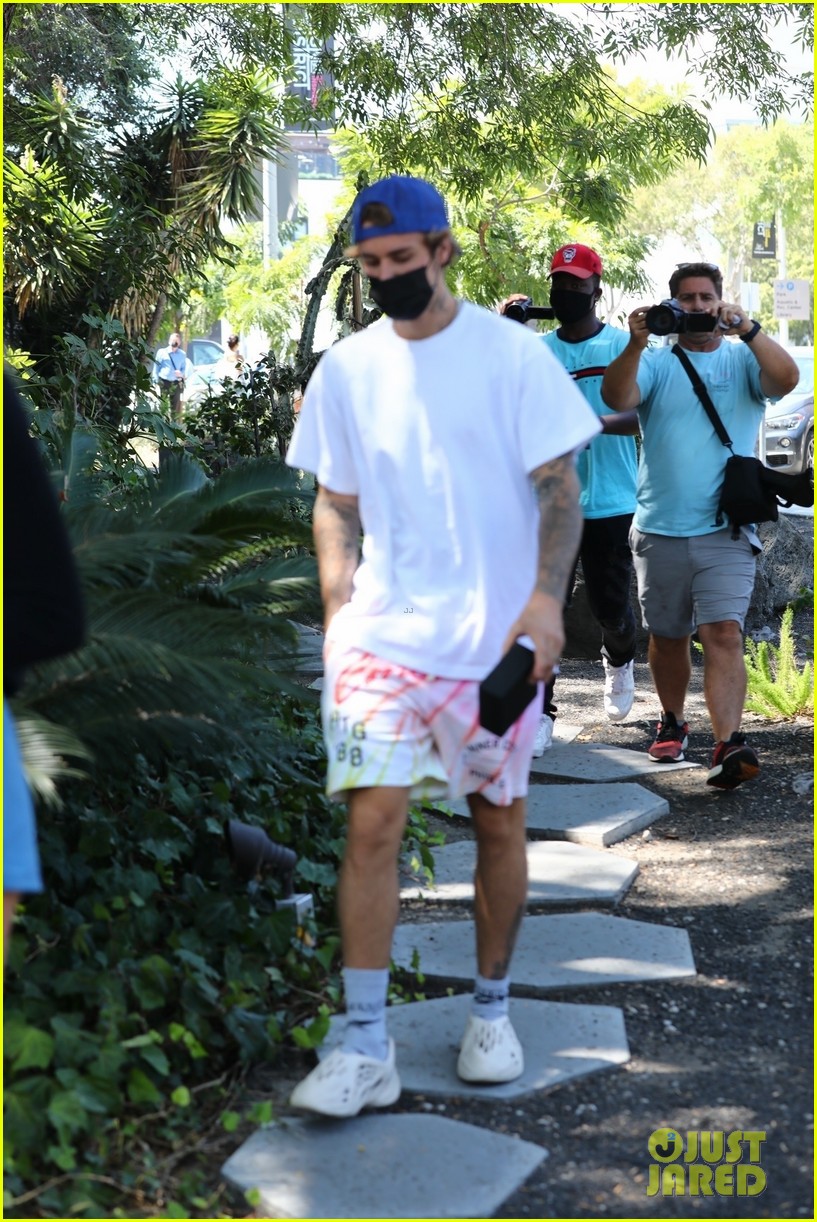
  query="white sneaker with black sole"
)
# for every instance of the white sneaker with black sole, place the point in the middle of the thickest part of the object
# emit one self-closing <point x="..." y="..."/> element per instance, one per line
<point x="619" y="690"/>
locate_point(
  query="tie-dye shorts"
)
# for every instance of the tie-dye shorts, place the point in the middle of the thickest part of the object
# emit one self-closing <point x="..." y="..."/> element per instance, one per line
<point x="385" y="724"/>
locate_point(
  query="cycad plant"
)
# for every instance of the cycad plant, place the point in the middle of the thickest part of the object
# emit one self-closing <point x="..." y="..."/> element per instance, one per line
<point x="190" y="585"/>
<point x="775" y="684"/>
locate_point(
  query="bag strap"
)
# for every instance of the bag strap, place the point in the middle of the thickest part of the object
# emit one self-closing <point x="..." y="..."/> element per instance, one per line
<point x="703" y="395"/>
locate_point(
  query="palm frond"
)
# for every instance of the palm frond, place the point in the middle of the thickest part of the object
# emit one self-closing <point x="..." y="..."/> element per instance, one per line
<point x="43" y="747"/>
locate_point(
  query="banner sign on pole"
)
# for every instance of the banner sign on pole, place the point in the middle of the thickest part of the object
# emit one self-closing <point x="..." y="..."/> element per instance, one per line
<point x="764" y="240"/>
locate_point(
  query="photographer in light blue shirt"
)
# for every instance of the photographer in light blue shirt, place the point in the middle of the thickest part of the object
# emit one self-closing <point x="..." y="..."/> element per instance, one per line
<point x="170" y="369"/>
<point x="694" y="572"/>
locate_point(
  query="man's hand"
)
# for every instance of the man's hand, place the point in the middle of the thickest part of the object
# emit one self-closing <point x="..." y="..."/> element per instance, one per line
<point x="637" y="322"/>
<point x="733" y="320"/>
<point x="503" y="305"/>
<point x="542" y="621"/>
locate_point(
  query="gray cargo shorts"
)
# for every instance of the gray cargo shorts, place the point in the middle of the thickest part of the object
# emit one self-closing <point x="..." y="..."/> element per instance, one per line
<point x="705" y="579"/>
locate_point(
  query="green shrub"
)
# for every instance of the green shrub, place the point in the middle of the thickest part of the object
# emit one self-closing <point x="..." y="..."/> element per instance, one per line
<point x="776" y="687"/>
<point x="147" y="970"/>
<point x="146" y="977"/>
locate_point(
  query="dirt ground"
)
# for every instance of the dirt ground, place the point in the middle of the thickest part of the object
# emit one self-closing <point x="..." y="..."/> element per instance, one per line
<point x="728" y="1049"/>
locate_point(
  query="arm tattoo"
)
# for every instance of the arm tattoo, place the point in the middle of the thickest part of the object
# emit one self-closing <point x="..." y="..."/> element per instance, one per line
<point x="560" y="525"/>
<point x="336" y="531"/>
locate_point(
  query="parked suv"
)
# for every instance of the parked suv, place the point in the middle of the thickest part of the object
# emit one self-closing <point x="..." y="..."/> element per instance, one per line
<point x="790" y="421"/>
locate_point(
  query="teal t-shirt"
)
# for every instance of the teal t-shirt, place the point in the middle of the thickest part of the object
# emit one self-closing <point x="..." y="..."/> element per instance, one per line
<point x="682" y="461"/>
<point x="607" y="467"/>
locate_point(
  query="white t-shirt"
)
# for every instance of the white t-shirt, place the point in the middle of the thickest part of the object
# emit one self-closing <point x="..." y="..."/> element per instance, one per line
<point x="437" y="438"/>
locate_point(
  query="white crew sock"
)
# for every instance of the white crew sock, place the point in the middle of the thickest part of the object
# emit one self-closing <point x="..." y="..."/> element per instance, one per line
<point x="490" y="997"/>
<point x="366" y="990"/>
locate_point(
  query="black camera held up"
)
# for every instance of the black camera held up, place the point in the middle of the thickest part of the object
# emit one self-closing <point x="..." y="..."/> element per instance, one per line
<point x="521" y="311"/>
<point x="667" y="318"/>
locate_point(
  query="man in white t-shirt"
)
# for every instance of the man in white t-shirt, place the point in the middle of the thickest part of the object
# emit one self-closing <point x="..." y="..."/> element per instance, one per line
<point x="447" y="437"/>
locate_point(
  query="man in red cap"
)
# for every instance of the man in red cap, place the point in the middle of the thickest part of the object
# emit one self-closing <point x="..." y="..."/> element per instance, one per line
<point x="446" y="438"/>
<point x="607" y="472"/>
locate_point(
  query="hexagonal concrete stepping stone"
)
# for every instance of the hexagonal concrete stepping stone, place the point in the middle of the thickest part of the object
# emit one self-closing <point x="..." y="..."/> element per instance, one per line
<point x="565" y="731"/>
<point x="317" y="684"/>
<point x="560" y="874"/>
<point x="561" y="1041"/>
<point x="599" y="814"/>
<point x="565" y="951"/>
<point x="599" y="762"/>
<point x="381" y="1166"/>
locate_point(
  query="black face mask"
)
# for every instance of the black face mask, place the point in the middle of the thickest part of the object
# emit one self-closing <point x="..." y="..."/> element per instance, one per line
<point x="402" y="297"/>
<point x="569" y="306"/>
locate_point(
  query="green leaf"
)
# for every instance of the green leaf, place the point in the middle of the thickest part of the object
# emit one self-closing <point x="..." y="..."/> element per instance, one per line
<point x="142" y="1041"/>
<point x="175" y="1210"/>
<point x="156" y="1058"/>
<point x="141" y="1089"/>
<point x="23" y="1124"/>
<point x="313" y="1035"/>
<point x="261" y="1113"/>
<point x="66" y="1113"/>
<point x="34" y="1049"/>
<point x="181" y="1096"/>
<point x="193" y="1046"/>
<point x="63" y="1156"/>
<point x="230" y="1121"/>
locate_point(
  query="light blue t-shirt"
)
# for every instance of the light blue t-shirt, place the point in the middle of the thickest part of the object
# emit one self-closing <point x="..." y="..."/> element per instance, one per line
<point x="607" y="467"/>
<point x="682" y="460"/>
<point x="21" y="860"/>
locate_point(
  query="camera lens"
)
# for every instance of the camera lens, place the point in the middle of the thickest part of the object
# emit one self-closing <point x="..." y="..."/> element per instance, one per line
<point x="662" y="319"/>
<point x="518" y="310"/>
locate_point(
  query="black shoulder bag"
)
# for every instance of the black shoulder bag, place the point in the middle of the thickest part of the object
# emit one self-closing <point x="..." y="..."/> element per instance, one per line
<point x="751" y="492"/>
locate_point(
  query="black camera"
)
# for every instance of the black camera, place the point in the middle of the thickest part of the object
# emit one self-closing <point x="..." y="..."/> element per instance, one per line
<point x="667" y="318"/>
<point x="521" y="311"/>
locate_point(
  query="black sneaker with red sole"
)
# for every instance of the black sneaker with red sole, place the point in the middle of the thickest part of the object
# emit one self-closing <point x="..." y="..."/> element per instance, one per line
<point x="733" y="763"/>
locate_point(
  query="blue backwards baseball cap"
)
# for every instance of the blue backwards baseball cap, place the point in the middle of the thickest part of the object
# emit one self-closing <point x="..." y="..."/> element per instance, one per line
<point x="415" y="205"/>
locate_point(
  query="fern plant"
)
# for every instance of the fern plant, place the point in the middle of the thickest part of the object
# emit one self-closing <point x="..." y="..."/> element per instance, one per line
<point x="776" y="687"/>
<point x="189" y="586"/>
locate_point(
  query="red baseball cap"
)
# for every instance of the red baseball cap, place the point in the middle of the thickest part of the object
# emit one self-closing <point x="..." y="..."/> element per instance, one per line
<point x="576" y="260"/>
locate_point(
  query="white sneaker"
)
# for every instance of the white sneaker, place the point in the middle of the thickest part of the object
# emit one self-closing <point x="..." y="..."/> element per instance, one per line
<point x="345" y="1082"/>
<point x="619" y="690"/>
<point x="544" y="736"/>
<point x="490" y="1051"/>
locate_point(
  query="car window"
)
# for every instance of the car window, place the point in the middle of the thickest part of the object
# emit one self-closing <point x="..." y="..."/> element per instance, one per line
<point x="204" y="351"/>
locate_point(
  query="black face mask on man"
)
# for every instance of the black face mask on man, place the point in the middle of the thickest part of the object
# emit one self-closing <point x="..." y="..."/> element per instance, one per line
<point x="402" y="297"/>
<point x="569" y="306"/>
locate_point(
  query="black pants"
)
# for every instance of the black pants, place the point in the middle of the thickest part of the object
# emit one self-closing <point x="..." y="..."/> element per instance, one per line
<point x="607" y="565"/>
<point x="173" y="390"/>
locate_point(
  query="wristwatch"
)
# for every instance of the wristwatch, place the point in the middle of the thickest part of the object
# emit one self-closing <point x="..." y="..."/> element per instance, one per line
<point x="750" y="335"/>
